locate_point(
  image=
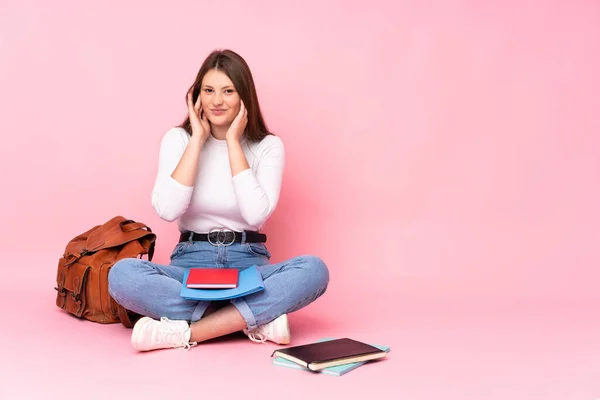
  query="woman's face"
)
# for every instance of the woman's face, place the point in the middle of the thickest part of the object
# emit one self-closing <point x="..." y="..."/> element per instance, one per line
<point x="220" y="100"/>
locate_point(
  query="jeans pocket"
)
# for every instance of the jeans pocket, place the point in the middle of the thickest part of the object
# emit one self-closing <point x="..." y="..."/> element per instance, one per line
<point x="258" y="249"/>
<point x="177" y="250"/>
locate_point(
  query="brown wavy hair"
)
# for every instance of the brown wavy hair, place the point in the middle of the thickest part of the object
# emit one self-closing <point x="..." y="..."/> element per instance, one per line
<point x="236" y="68"/>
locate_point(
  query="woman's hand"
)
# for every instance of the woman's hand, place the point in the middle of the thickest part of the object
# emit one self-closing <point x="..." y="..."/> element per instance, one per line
<point x="236" y="130"/>
<point x="198" y="121"/>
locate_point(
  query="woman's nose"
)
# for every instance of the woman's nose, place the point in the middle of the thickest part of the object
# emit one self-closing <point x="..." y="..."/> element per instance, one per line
<point x="217" y="99"/>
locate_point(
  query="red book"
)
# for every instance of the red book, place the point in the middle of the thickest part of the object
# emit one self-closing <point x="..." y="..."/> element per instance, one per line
<point x="212" y="278"/>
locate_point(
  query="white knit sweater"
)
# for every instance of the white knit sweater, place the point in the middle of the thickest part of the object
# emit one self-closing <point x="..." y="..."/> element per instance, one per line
<point x="218" y="200"/>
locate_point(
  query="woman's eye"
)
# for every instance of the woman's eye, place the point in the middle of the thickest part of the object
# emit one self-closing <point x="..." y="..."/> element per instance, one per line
<point x="207" y="90"/>
<point x="229" y="91"/>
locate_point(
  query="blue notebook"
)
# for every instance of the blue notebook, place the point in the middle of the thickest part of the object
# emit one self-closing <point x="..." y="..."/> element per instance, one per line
<point x="338" y="370"/>
<point x="249" y="281"/>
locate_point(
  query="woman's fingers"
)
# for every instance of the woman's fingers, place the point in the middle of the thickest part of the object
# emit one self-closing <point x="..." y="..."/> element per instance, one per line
<point x="193" y="107"/>
<point x="242" y="112"/>
<point x="245" y="112"/>
<point x="198" y="104"/>
<point x="189" y="101"/>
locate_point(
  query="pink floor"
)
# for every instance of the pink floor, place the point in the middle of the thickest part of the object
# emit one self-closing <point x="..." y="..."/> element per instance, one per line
<point x="440" y="350"/>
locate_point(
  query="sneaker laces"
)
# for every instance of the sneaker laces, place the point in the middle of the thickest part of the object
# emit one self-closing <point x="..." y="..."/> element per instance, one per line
<point x="170" y="333"/>
<point x="257" y="335"/>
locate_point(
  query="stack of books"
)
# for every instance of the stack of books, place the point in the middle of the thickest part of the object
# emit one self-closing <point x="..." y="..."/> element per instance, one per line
<point x="220" y="283"/>
<point x="329" y="356"/>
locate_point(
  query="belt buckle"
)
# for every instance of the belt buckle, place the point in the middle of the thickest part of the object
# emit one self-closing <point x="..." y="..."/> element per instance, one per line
<point x="221" y="232"/>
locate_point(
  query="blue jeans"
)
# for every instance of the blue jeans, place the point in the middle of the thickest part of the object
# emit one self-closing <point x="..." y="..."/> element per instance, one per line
<point x="153" y="289"/>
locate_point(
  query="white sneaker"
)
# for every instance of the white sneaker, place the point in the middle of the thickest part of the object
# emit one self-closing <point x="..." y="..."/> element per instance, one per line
<point x="276" y="331"/>
<point x="150" y="334"/>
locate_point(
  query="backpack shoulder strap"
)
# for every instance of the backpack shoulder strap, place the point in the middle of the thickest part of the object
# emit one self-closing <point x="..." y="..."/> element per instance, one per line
<point x="124" y="317"/>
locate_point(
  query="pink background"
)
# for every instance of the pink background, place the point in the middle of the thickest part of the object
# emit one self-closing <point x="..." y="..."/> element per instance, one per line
<point x="442" y="158"/>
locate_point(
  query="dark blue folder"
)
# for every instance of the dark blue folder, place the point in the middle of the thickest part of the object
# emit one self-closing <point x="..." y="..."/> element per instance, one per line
<point x="249" y="281"/>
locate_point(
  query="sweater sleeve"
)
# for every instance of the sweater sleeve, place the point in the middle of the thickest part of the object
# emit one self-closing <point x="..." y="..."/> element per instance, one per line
<point x="257" y="193"/>
<point x="170" y="198"/>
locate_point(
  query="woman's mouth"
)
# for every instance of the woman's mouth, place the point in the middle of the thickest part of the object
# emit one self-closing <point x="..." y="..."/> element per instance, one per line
<point x="217" y="111"/>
